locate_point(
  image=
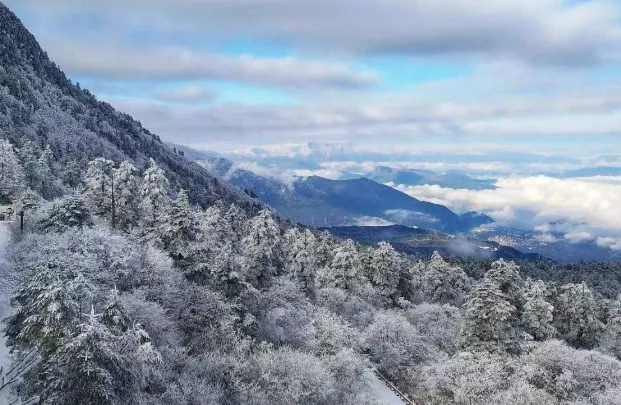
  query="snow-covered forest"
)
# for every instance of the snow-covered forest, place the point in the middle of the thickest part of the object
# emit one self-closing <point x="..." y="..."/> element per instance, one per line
<point x="125" y="293"/>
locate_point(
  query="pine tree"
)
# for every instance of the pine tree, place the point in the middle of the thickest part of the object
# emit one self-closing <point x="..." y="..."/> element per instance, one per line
<point x="537" y="314"/>
<point x="154" y="195"/>
<point x="611" y="337"/>
<point x="98" y="181"/>
<point x="28" y="155"/>
<point x="385" y="266"/>
<point x="46" y="175"/>
<point x="576" y="316"/>
<point x="236" y="221"/>
<point x="507" y="276"/>
<point x="261" y="249"/>
<point x="325" y="249"/>
<point x="69" y="212"/>
<point x="50" y="306"/>
<point x="346" y="269"/>
<point x="488" y="320"/>
<point x="71" y="174"/>
<point x="177" y="230"/>
<point x="301" y="260"/>
<point x="88" y="368"/>
<point x="443" y="283"/>
<point x="114" y="315"/>
<point x="12" y="179"/>
<point x="27" y="201"/>
<point x="126" y="194"/>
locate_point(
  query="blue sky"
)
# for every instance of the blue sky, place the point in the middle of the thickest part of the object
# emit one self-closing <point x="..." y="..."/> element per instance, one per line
<point x="385" y="74"/>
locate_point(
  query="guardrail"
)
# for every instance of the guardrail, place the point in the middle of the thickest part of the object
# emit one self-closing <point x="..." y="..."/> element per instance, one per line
<point x="394" y="389"/>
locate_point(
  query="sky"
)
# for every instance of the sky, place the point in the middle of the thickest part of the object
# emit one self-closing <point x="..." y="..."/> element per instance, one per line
<point x="513" y="75"/>
<point x="516" y="90"/>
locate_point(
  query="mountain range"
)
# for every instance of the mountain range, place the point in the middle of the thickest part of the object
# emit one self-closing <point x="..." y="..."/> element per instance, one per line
<point x="38" y="103"/>
<point x="316" y="201"/>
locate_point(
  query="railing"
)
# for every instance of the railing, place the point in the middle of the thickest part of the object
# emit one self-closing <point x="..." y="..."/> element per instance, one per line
<point x="394" y="389"/>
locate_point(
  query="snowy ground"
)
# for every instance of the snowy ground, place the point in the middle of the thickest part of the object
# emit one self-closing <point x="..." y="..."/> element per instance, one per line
<point x="382" y="392"/>
<point x="4" y="308"/>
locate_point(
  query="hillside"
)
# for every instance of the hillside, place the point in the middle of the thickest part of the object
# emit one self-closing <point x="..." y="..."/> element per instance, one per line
<point x="40" y="104"/>
<point x="317" y="201"/>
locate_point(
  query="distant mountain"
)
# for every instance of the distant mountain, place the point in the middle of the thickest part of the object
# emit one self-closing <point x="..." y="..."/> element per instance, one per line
<point x="39" y="104"/>
<point x="317" y="201"/>
<point x="423" y="243"/>
<point x="383" y="174"/>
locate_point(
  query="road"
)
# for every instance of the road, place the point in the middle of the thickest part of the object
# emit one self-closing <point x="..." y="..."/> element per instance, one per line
<point x="381" y="392"/>
<point x="5" y="295"/>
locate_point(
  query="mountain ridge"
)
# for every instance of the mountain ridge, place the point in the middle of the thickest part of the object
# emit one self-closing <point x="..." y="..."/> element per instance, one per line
<point x="43" y="106"/>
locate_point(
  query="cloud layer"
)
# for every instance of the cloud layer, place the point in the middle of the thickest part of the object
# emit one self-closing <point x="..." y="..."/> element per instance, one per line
<point x="581" y="209"/>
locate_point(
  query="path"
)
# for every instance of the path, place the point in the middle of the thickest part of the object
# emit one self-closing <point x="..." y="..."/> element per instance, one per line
<point x="5" y="306"/>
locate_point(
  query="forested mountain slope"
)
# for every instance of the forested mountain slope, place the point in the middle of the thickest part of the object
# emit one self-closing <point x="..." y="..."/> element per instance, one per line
<point x="39" y="103"/>
<point x="317" y="201"/>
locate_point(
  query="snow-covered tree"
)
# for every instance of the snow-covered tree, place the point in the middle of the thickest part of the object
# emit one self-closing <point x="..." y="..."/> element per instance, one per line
<point x="611" y="337"/>
<point x="443" y="283"/>
<point x="154" y="194"/>
<point x="385" y="268"/>
<point x="537" y="312"/>
<point x="396" y="345"/>
<point x="44" y="168"/>
<point x="29" y="157"/>
<point x="11" y="172"/>
<point x="88" y="368"/>
<point x="236" y="222"/>
<point x="261" y="248"/>
<point x="576" y="316"/>
<point x="50" y="305"/>
<point x="488" y="320"/>
<point x="126" y="195"/>
<point x="71" y="174"/>
<point x="301" y="258"/>
<point x="325" y="249"/>
<point x="68" y="212"/>
<point x="114" y="315"/>
<point x="177" y="229"/>
<point x="27" y="201"/>
<point x="98" y="181"/>
<point x="507" y="277"/>
<point x="345" y="270"/>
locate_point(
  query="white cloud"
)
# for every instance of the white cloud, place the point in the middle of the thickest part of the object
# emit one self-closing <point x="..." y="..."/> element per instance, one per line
<point x="537" y="31"/>
<point x="371" y="221"/>
<point x="582" y="208"/>
<point x="187" y="94"/>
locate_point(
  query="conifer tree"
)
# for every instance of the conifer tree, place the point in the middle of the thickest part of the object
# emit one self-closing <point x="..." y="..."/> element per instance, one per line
<point x="178" y="231"/>
<point x="346" y="269"/>
<point x="576" y="317"/>
<point x="88" y="368"/>
<point x="488" y="320"/>
<point x="28" y="154"/>
<point x="44" y="169"/>
<point x="11" y="172"/>
<point x="443" y="283"/>
<point x="385" y="267"/>
<point x="537" y="315"/>
<point x="98" y="181"/>
<point x="507" y="276"/>
<point x="154" y="195"/>
<point x="126" y="195"/>
<point x="611" y="337"/>
<point x="261" y="249"/>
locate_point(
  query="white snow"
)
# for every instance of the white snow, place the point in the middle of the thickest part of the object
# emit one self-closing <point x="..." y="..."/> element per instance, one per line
<point x="381" y="392"/>
<point x="5" y="297"/>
